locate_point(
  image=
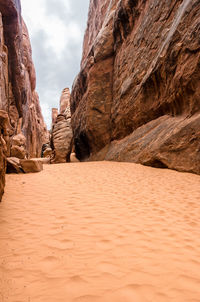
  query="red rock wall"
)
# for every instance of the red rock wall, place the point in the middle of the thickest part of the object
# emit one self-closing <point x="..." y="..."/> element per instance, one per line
<point x="137" y="96"/>
<point x="18" y="98"/>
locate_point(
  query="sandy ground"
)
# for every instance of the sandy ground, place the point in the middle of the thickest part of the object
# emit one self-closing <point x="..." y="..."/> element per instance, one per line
<point x="109" y="232"/>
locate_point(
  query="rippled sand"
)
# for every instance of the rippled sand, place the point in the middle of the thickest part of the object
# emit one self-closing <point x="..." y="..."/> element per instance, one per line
<point x="100" y="232"/>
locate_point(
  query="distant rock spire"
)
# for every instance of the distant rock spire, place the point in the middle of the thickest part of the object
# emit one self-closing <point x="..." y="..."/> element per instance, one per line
<point x="64" y="100"/>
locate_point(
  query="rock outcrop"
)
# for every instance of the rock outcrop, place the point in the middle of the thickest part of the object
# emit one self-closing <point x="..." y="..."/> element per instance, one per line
<point x="16" y="165"/>
<point x="18" y="146"/>
<point x="65" y="102"/>
<point x="31" y="165"/>
<point x="3" y="148"/>
<point x="13" y="165"/>
<point x="61" y="133"/>
<point x="54" y="115"/>
<point x="18" y="98"/>
<point x="137" y="96"/>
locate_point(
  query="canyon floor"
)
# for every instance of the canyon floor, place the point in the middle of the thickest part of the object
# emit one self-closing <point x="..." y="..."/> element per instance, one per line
<point x="100" y="232"/>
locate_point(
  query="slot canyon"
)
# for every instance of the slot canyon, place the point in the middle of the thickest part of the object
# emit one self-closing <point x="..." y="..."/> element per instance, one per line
<point x="105" y="205"/>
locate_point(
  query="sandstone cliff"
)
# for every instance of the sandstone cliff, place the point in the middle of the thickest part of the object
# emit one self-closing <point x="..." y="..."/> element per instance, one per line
<point x="137" y="96"/>
<point x="20" y="117"/>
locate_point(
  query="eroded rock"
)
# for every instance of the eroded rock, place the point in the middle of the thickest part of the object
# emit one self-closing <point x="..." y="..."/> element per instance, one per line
<point x="13" y="165"/>
<point x="31" y="165"/>
<point x="61" y="134"/>
<point x="65" y="101"/>
<point x="48" y="153"/>
<point x="4" y="123"/>
<point x="140" y="64"/>
<point x="18" y="97"/>
<point x="44" y="161"/>
<point x="18" y="146"/>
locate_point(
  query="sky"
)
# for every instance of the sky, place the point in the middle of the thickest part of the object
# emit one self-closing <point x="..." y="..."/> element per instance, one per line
<point x="56" y="29"/>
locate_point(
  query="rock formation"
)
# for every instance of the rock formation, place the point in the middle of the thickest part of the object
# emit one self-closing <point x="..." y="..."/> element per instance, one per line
<point x="16" y="165"/>
<point x="65" y="101"/>
<point x="18" y="146"/>
<point x="3" y="148"/>
<point x="13" y="165"/>
<point x="61" y="133"/>
<point x="25" y="131"/>
<point x="31" y="166"/>
<point x="54" y="115"/>
<point x="137" y="96"/>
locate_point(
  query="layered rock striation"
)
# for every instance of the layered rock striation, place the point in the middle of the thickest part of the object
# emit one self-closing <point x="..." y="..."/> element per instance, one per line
<point x="61" y="133"/>
<point x="137" y="96"/>
<point x="25" y="130"/>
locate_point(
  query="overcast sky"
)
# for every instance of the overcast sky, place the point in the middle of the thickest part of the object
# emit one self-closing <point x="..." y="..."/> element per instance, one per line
<point x="56" y="29"/>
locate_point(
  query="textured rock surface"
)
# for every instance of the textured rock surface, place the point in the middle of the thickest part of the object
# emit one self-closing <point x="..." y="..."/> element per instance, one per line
<point x="61" y="134"/>
<point x="140" y="70"/>
<point x="31" y="165"/>
<point x="3" y="148"/>
<point x="44" y="161"/>
<point x="73" y="158"/>
<point x="54" y="115"/>
<point x="18" y="146"/>
<point x="13" y="165"/>
<point x="17" y="85"/>
<point x="65" y="100"/>
<point x="47" y="153"/>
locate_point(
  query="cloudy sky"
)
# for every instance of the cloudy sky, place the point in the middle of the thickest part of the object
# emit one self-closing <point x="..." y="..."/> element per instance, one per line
<point x="56" y="29"/>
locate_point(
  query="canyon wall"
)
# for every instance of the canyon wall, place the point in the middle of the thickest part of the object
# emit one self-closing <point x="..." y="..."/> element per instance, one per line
<point x="21" y="121"/>
<point x="137" y="96"/>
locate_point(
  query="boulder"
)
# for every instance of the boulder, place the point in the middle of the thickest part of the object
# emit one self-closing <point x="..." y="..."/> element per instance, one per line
<point x="48" y="153"/>
<point x="13" y="165"/>
<point x="44" y="161"/>
<point x="31" y="166"/>
<point x="73" y="158"/>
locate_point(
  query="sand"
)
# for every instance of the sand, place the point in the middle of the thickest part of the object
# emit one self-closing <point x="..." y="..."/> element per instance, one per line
<point x="100" y="232"/>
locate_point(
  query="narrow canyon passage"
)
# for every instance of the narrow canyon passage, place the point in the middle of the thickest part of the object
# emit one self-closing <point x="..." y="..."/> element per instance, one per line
<point x="106" y="231"/>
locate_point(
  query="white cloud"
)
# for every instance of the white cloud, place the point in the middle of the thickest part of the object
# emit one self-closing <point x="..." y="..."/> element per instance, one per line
<point x="59" y="32"/>
<point x="46" y="109"/>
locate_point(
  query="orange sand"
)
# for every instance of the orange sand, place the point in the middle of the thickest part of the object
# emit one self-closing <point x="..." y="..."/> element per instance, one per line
<point x="109" y="232"/>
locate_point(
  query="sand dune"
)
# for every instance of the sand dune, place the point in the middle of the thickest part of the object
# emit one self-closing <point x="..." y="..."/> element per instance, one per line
<point x="100" y="232"/>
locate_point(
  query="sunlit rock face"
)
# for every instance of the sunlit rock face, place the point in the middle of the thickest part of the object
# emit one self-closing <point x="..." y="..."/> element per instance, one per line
<point x="54" y="115"/>
<point x="61" y="133"/>
<point x="65" y="101"/>
<point x="137" y="96"/>
<point x="18" y="98"/>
